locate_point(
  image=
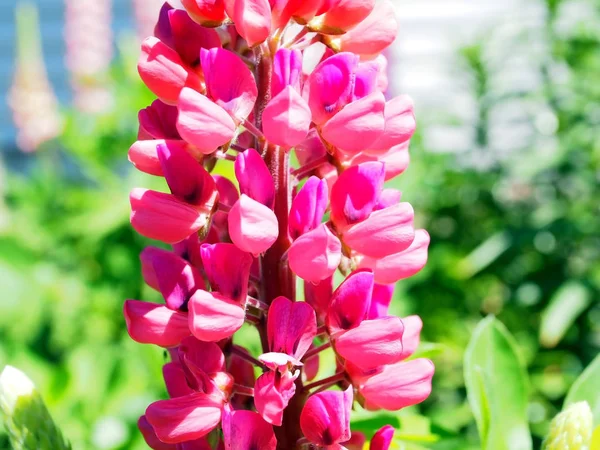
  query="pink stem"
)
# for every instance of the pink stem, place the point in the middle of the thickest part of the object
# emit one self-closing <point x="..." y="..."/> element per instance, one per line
<point x="246" y="357"/>
<point x="315" y="351"/>
<point x="329" y="381"/>
<point x="306" y="169"/>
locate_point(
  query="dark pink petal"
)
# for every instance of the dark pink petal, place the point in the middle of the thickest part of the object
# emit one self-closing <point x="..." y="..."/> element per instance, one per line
<point x="311" y="367"/>
<point x="272" y="392"/>
<point x="398" y="266"/>
<point x="399" y="385"/>
<point x="384" y="232"/>
<point x="286" y="119"/>
<point x="287" y="70"/>
<point x="150" y="436"/>
<point x="383" y="438"/>
<point x="144" y="156"/>
<point x="252" y="20"/>
<point x="147" y="257"/>
<point x="345" y="14"/>
<point x="203" y="123"/>
<point x="399" y="124"/>
<point x="208" y="13"/>
<point x="291" y="327"/>
<point x="351" y="301"/>
<point x="162" y="29"/>
<point x="189" y="37"/>
<point x="175" y="380"/>
<point x="241" y="369"/>
<point x="203" y="364"/>
<point x="227" y="269"/>
<point x="254" y="177"/>
<point x="411" y="336"/>
<point x="184" y="418"/>
<point x="357" y="125"/>
<point x="380" y="302"/>
<point x="356" y="192"/>
<point x="149" y="323"/>
<point x="163" y="71"/>
<point x="159" y="121"/>
<point x="253" y="227"/>
<point x="330" y="86"/>
<point x="315" y="255"/>
<point x="246" y="430"/>
<point x="228" y="195"/>
<point x="163" y="217"/>
<point x="325" y="418"/>
<point x="319" y="296"/>
<point x="373" y="343"/>
<point x="213" y="317"/>
<point x="189" y="249"/>
<point x="229" y="82"/>
<point x="308" y="207"/>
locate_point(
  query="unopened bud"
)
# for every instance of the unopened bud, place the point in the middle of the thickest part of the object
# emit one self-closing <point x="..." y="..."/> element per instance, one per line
<point x="571" y="429"/>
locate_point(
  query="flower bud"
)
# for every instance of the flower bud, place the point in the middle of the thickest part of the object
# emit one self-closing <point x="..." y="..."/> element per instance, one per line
<point x="571" y="429"/>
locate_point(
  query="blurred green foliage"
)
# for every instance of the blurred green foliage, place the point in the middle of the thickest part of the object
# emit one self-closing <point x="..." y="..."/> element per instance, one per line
<point x="517" y="238"/>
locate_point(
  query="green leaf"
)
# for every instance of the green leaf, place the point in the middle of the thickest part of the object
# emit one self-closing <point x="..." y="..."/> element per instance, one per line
<point x="586" y="389"/>
<point x="497" y="386"/>
<point x="571" y="299"/>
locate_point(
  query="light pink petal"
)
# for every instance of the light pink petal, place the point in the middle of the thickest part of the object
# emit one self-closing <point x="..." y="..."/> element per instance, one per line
<point x="149" y="323"/>
<point x="384" y="232"/>
<point x="291" y="327"/>
<point x="208" y="13"/>
<point x="358" y="125"/>
<point x="382" y="439"/>
<point x="315" y="255"/>
<point x="411" y="336"/>
<point x="345" y="14"/>
<point x="188" y="37"/>
<point x="388" y="197"/>
<point x="380" y="302"/>
<point x="279" y="361"/>
<point x="399" y="124"/>
<point x="227" y="269"/>
<point x="272" y="392"/>
<point x="399" y="385"/>
<point x="213" y="317"/>
<point x="396" y="160"/>
<point x="308" y="207"/>
<point x="365" y="81"/>
<point x="246" y="430"/>
<point x="229" y="82"/>
<point x="150" y="436"/>
<point x="203" y="123"/>
<point x="143" y="155"/>
<point x="184" y="418"/>
<point x="158" y="121"/>
<point x="398" y="266"/>
<point x="254" y="177"/>
<point x="287" y="70"/>
<point x="252" y="20"/>
<point x="319" y="296"/>
<point x="325" y="418"/>
<point x="350" y="301"/>
<point x="163" y="217"/>
<point x="286" y="119"/>
<point x="175" y="380"/>
<point x="163" y="71"/>
<point x="373" y="343"/>
<point x="252" y="226"/>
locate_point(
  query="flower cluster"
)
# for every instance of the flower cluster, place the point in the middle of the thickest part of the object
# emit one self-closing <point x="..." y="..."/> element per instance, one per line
<point x="252" y="83"/>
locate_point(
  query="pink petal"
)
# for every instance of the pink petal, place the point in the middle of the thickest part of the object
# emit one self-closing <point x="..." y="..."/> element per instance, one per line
<point x="272" y="392"/>
<point x="305" y="9"/>
<point x="241" y="369"/>
<point x="356" y="192"/>
<point x="158" y="121"/>
<point x="396" y="160"/>
<point x="150" y="436"/>
<point x="308" y="207"/>
<point x="399" y="124"/>
<point x="203" y="123"/>
<point x="189" y="249"/>
<point x="147" y="258"/>
<point x="311" y="148"/>
<point x="373" y="343"/>
<point x="398" y="266"/>
<point x="279" y="361"/>
<point x="184" y="418"/>
<point x="365" y="82"/>
<point x="252" y="226"/>
<point x="357" y="125"/>
<point x="208" y="13"/>
<point x="330" y="86"/>
<point x="189" y="37"/>
<point x="287" y="70"/>
<point x="163" y="71"/>
<point x="311" y="367"/>
<point x="319" y="296"/>
<point x="227" y="269"/>
<point x="350" y="301"/>
<point x="291" y="327"/>
<point x="384" y="232"/>
<point x="163" y="217"/>
<point x="411" y="336"/>
<point x="399" y="385"/>
<point x="149" y="323"/>
<point x="357" y="441"/>
<point x="286" y="119"/>
<point x="382" y="439"/>
<point x="228" y="195"/>
<point x="213" y="317"/>
<point x="252" y="20"/>
<point x="345" y="14"/>
<point x="229" y="82"/>
<point x="380" y="302"/>
<point x="325" y="418"/>
<point x="315" y="255"/>
<point x="204" y="366"/>
<point x="143" y="155"/>
<point x="175" y="380"/>
<point x="254" y="177"/>
<point x="246" y="430"/>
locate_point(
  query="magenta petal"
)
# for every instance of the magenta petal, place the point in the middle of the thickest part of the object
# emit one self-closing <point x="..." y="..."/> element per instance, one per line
<point x="411" y="336"/>
<point x="246" y="430"/>
<point x="351" y="301"/>
<point x="227" y="269"/>
<point x="399" y="385"/>
<point x="252" y="20"/>
<point x="175" y="380"/>
<point x="254" y="177"/>
<point x="382" y="439"/>
<point x="163" y="217"/>
<point x="229" y="82"/>
<point x="399" y="124"/>
<point x="357" y="125"/>
<point x="380" y="302"/>
<point x="213" y="317"/>
<point x="149" y="323"/>
<point x="184" y="418"/>
<point x="325" y="418"/>
<point x="291" y="327"/>
<point x="159" y="121"/>
<point x="286" y="119"/>
<point x="315" y="255"/>
<point x="308" y="207"/>
<point x="253" y="227"/>
<point x="150" y="436"/>
<point x="398" y="266"/>
<point x="319" y="296"/>
<point x="189" y="37"/>
<point x="272" y="392"/>
<point x="203" y="123"/>
<point x="373" y="343"/>
<point x="384" y="232"/>
<point x="287" y="70"/>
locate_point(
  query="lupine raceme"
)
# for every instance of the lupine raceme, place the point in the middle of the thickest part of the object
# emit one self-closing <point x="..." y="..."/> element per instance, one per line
<point x="290" y="94"/>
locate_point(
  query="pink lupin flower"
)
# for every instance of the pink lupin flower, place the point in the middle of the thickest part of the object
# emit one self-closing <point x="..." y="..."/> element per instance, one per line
<point x="325" y="418"/>
<point x="382" y="439"/>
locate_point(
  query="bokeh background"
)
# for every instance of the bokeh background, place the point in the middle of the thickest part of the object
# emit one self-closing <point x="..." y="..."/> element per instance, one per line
<point x="504" y="174"/>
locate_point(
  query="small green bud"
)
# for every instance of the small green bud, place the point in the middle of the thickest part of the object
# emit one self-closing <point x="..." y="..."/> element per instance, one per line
<point x="25" y="415"/>
<point x="571" y="429"/>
